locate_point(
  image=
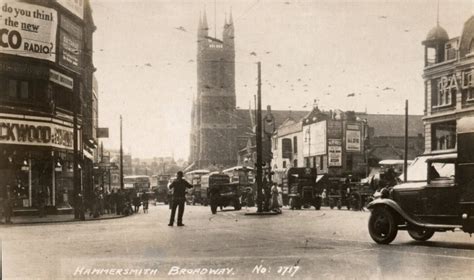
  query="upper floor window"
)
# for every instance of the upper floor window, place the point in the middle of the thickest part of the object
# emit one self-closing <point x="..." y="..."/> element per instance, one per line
<point x="295" y="144"/>
<point x="443" y="136"/>
<point x="444" y="92"/>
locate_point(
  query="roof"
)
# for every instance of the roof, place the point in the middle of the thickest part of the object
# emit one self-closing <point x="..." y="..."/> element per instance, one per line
<point x="437" y="33"/>
<point x="393" y="125"/>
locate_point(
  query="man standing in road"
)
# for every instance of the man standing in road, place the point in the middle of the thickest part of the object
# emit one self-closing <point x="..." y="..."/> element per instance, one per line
<point x="179" y="187"/>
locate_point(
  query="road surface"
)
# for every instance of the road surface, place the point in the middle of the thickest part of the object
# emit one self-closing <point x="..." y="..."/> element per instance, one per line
<point x="304" y="244"/>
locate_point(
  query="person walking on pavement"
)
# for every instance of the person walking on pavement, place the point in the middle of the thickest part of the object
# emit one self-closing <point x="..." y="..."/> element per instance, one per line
<point x="179" y="187"/>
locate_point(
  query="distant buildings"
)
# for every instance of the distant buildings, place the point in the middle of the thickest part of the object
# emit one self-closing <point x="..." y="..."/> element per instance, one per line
<point x="339" y="143"/>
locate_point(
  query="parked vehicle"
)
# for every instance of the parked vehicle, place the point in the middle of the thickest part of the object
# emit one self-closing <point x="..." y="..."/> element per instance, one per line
<point x="303" y="190"/>
<point x="439" y="199"/>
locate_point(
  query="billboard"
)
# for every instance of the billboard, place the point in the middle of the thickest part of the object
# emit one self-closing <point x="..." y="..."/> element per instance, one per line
<point x="70" y="40"/>
<point x="315" y="142"/>
<point x="353" y="138"/>
<point x="28" y="30"/>
<point x="74" y="6"/>
<point x="334" y="155"/>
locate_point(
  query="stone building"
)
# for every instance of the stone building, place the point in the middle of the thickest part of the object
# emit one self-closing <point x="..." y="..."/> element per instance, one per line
<point x="213" y="133"/>
<point x="46" y="78"/>
<point x="449" y="86"/>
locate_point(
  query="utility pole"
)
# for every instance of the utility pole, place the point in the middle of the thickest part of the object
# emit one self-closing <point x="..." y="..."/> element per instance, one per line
<point x="259" y="140"/>
<point x="121" y="155"/>
<point x="76" y="188"/>
<point x="405" y="158"/>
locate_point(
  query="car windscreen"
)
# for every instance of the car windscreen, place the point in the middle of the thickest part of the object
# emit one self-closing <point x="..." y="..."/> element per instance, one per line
<point x="417" y="171"/>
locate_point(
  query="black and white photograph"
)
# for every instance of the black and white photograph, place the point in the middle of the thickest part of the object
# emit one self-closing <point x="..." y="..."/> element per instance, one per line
<point x="236" y="139"/>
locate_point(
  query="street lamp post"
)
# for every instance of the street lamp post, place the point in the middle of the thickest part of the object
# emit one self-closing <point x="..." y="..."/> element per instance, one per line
<point x="121" y="155"/>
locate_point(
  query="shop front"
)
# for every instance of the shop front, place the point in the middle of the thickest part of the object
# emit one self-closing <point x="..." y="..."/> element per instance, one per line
<point x="36" y="162"/>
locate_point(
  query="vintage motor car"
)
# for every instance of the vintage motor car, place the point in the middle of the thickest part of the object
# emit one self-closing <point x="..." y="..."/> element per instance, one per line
<point x="303" y="189"/>
<point x="441" y="200"/>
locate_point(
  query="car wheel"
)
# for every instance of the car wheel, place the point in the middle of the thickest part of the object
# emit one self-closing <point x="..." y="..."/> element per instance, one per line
<point x="339" y="204"/>
<point x="421" y="234"/>
<point x="382" y="226"/>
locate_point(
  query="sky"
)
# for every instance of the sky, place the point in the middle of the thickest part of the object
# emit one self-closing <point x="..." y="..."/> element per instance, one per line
<point x="348" y="55"/>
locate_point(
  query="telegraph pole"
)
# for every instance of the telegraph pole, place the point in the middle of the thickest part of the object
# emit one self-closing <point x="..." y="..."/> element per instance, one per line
<point x="76" y="188"/>
<point x="121" y="155"/>
<point x="405" y="158"/>
<point x="259" y="140"/>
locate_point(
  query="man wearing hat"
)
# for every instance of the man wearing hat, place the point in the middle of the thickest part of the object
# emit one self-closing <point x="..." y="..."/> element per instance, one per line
<point x="179" y="187"/>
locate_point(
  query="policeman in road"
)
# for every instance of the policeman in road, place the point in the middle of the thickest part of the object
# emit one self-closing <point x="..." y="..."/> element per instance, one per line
<point x="179" y="187"/>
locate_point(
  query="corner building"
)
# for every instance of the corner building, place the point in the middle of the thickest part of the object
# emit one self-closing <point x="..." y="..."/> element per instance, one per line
<point x="449" y="85"/>
<point x="46" y="74"/>
<point x="214" y="130"/>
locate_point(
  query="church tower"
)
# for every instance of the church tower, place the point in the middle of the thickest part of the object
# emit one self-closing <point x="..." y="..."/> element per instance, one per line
<point x="213" y="132"/>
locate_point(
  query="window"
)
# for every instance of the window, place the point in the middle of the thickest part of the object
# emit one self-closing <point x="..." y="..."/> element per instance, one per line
<point x="295" y="163"/>
<point x="24" y="90"/>
<point x="284" y="164"/>
<point x="12" y="89"/>
<point x="467" y="84"/>
<point x="443" y="136"/>
<point x="446" y="91"/>
<point x="295" y="145"/>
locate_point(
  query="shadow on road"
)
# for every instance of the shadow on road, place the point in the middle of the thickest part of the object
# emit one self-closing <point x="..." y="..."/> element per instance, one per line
<point x="442" y="244"/>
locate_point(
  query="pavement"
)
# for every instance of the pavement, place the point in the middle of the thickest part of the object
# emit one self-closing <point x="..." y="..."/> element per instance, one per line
<point x="300" y="244"/>
<point x="63" y="218"/>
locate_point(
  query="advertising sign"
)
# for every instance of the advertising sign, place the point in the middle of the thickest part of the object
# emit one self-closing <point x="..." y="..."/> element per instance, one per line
<point x="335" y="155"/>
<point x="353" y="142"/>
<point x="74" y="6"/>
<point x="61" y="79"/>
<point x="315" y="142"/>
<point x="70" y="40"/>
<point x="28" y="30"/>
<point x="21" y="132"/>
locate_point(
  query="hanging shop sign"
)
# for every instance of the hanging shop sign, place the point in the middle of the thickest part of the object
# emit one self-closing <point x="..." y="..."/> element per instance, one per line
<point x="22" y="132"/>
<point x="74" y="6"/>
<point x="61" y="79"/>
<point x="70" y="40"/>
<point x="353" y="138"/>
<point x="334" y="155"/>
<point x="28" y="30"/>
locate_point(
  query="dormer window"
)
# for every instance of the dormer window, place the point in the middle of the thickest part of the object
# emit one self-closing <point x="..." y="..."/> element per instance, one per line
<point x="450" y="49"/>
<point x="471" y="47"/>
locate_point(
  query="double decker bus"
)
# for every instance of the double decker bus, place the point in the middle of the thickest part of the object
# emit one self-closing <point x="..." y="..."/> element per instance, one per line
<point x="194" y="178"/>
<point x="159" y="184"/>
<point x="139" y="183"/>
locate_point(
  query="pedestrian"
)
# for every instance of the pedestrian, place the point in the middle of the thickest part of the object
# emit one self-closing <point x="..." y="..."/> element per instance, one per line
<point x="41" y="200"/>
<point x="179" y="187"/>
<point x="7" y="205"/>
<point x="136" y="202"/>
<point x="275" y="204"/>
<point x="145" y="202"/>
<point x="120" y="202"/>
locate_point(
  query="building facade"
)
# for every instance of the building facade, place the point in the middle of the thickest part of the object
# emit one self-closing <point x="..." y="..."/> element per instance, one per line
<point x="213" y="133"/>
<point x="46" y="78"/>
<point x="449" y="86"/>
<point x="339" y="143"/>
